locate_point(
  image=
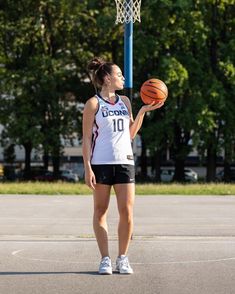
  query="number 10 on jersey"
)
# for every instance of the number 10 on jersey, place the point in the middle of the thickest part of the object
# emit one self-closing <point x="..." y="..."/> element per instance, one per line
<point x="118" y="125"/>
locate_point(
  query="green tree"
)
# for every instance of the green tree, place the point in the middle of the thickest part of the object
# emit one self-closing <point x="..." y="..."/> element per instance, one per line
<point x="180" y="48"/>
<point x="44" y="50"/>
<point x="40" y="76"/>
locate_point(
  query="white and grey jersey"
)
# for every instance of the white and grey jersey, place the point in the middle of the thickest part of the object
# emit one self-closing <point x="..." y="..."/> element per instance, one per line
<point x="111" y="142"/>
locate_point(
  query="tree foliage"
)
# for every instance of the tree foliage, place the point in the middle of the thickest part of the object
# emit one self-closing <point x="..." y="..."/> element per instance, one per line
<point x="187" y="46"/>
<point x="45" y="47"/>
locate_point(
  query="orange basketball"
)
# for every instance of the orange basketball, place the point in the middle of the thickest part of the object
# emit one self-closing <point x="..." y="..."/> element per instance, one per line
<point x="153" y="90"/>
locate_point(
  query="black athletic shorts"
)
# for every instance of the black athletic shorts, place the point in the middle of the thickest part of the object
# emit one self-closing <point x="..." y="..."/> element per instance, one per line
<point x="111" y="174"/>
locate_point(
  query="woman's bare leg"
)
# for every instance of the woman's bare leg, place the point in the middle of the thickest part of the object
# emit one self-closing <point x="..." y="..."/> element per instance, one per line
<point x="101" y="202"/>
<point x="125" y="194"/>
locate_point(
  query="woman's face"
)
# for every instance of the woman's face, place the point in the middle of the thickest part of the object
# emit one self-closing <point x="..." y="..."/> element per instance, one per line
<point x="116" y="78"/>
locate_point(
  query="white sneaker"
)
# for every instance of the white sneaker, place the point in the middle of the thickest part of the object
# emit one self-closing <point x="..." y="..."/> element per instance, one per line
<point x="123" y="266"/>
<point x="105" y="266"/>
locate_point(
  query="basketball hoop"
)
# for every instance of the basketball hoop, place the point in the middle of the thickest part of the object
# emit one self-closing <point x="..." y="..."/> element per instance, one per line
<point x="128" y="11"/>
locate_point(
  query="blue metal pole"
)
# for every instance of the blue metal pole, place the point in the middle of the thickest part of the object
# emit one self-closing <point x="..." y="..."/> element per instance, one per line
<point x="128" y="58"/>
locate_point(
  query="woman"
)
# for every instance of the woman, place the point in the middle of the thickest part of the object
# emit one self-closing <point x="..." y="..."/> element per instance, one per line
<point x="108" y="128"/>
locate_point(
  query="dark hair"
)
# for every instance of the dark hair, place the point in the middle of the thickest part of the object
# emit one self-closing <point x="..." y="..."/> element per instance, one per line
<point x="99" y="70"/>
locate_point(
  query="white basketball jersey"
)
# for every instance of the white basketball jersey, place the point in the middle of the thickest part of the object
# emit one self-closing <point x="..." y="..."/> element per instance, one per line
<point x="111" y="134"/>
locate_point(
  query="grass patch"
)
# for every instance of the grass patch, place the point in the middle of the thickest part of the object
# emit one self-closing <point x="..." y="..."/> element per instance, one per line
<point x="39" y="188"/>
<point x="141" y="189"/>
<point x="186" y="189"/>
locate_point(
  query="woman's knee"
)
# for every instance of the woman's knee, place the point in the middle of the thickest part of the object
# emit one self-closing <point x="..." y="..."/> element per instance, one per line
<point x="100" y="211"/>
<point x="126" y="213"/>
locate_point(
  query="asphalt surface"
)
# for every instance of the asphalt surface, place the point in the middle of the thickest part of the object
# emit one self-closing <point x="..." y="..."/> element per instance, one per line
<point x="181" y="244"/>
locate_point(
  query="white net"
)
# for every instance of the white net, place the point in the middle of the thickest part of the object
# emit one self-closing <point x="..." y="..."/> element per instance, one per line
<point x="128" y="11"/>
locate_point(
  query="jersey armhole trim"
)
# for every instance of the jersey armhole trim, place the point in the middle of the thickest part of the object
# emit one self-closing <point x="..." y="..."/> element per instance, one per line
<point x="125" y="105"/>
<point x="98" y="104"/>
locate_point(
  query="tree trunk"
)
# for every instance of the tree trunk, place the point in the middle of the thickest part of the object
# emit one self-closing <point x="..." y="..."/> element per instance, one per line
<point x="45" y="159"/>
<point x="27" y="169"/>
<point x="227" y="162"/>
<point x="181" y="151"/>
<point x="179" y="170"/>
<point x="56" y="164"/>
<point x="211" y="149"/>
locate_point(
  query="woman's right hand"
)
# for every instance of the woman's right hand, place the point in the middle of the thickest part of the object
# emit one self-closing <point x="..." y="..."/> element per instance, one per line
<point x="90" y="179"/>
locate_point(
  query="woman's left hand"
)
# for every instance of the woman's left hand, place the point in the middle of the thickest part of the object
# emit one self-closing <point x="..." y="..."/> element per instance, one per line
<point x="152" y="106"/>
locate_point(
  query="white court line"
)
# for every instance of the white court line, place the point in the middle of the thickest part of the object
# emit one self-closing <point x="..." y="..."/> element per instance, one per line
<point x="186" y="240"/>
<point x="16" y="254"/>
<point x="136" y="239"/>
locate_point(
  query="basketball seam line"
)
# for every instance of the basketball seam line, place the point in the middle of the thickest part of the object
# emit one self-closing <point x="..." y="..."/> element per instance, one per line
<point x="156" y="88"/>
<point x="152" y="97"/>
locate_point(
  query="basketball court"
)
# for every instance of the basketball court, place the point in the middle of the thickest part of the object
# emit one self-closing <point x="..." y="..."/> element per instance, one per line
<point x="181" y="244"/>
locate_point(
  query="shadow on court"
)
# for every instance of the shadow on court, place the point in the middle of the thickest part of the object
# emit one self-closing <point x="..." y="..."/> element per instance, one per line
<point x="47" y="273"/>
<point x="181" y="244"/>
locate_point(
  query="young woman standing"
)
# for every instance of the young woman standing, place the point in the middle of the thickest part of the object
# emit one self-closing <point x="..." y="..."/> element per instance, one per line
<point x="108" y="128"/>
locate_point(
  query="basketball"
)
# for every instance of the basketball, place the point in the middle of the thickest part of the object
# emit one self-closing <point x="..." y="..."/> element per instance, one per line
<point x="153" y="90"/>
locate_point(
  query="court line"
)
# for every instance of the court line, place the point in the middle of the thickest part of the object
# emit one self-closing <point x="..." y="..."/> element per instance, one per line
<point x="16" y="254"/>
<point x="136" y="239"/>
